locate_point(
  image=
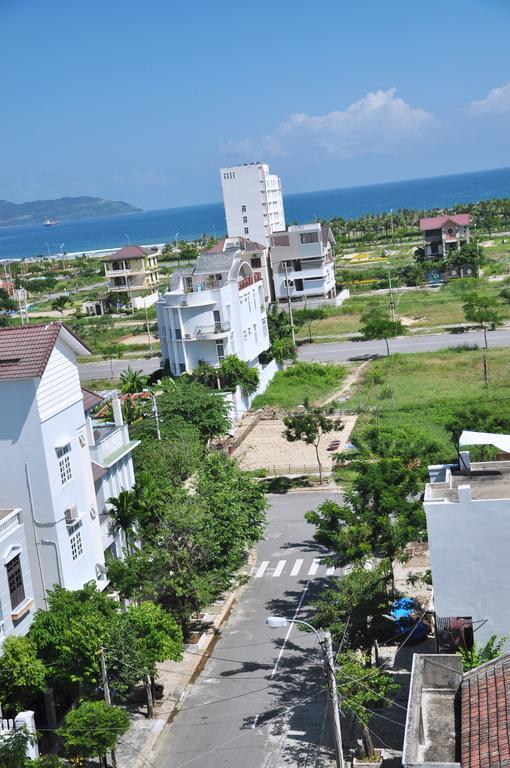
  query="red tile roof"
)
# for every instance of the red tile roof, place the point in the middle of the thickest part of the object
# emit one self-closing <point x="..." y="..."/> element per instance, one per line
<point x="127" y="253"/>
<point x="90" y="399"/>
<point x="436" y="222"/>
<point x="485" y="727"/>
<point x="26" y="349"/>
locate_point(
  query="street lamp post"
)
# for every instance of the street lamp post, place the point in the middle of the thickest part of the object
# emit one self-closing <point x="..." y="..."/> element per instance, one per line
<point x="327" y="649"/>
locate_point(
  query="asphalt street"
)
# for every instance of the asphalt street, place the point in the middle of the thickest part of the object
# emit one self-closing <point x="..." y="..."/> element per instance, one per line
<point x="260" y="700"/>
<point x="328" y="352"/>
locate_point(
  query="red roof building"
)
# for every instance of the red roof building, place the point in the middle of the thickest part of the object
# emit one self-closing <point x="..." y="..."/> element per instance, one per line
<point x="26" y="349"/>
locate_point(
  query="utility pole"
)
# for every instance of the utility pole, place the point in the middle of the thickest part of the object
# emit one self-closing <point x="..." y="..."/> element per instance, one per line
<point x="156" y="415"/>
<point x="392" y="302"/>
<point x="333" y="699"/>
<point x="106" y="691"/>
<point x="289" y="302"/>
<point x="147" y="325"/>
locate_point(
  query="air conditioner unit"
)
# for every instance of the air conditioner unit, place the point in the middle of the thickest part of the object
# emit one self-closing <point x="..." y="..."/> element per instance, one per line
<point x="184" y="302"/>
<point x="188" y="336"/>
<point x="81" y="439"/>
<point x="71" y="514"/>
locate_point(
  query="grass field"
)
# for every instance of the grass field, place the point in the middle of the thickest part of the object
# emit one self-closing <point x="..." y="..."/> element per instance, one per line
<point x="422" y="390"/>
<point x="300" y="381"/>
<point x="421" y="308"/>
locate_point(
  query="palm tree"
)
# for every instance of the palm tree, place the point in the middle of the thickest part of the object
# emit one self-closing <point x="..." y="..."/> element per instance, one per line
<point x="132" y="381"/>
<point x="122" y="512"/>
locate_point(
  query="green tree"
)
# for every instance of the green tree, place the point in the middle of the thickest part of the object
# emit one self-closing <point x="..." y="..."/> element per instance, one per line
<point x="60" y="303"/>
<point x="280" y="335"/>
<point x="22" y="675"/>
<point x="477" y="417"/>
<point x="310" y="425"/>
<point x="206" y="374"/>
<point x="482" y="310"/>
<point x="379" y="517"/>
<point x="172" y="459"/>
<point x="479" y="654"/>
<point x="468" y="256"/>
<point x="360" y="688"/>
<point x="122" y="511"/>
<point x="355" y="608"/>
<point x="234" y="372"/>
<point x="376" y="325"/>
<point x="307" y="315"/>
<point x="196" y="404"/>
<point x="13" y="752"/>
<point x="283" y="350"/>
<point x="93" y="729"/>
<point x="132" y="381"/>
<point x="110" y="351"/>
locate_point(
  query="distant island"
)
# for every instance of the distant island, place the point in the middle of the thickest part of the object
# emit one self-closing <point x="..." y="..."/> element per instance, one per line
<point x="65" y="208"/>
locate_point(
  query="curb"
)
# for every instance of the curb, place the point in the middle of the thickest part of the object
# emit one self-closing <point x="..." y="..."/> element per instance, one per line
<point x="170" y="706"/>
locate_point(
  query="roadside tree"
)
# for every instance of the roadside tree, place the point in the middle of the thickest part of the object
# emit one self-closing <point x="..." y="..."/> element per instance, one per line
<point x="22" y="675"/>
<point x="132" y="381"/>
<point x="360" y="689"/>
<point x="482" y="310"/>
<point x="307" y="315"/>
<point x="375" y="324"/>
<point x="93" y="729"/>
<point x="60" y="303"/>
<point x="196" y="404"/>
<point x="310" y="425"/>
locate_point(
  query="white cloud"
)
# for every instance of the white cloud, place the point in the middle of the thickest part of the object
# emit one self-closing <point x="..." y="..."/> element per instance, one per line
<point x="496" y="102"/>
<point x="379" y="122"/>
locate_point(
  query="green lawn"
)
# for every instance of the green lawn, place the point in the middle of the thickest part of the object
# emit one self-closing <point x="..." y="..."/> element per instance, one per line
<point x="422" y="390"/>
<point x="312" y="381"/>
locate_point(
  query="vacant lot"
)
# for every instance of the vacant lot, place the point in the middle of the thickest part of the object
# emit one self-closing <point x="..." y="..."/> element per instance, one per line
<point x="300" y="382"/>
<point x="421" y="308"/>
<point x="423" y="390"/>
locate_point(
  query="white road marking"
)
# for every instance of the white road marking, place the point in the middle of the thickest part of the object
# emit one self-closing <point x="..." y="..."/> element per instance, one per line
<point x="282" y="649"/>
<point x="279" y="568"/>
<point x="262" y="568"/>
<point x="254" y="724"/>
<point x="330" y="571"/>
<point x="296" y="567"/>
<point x="314" y="566"/>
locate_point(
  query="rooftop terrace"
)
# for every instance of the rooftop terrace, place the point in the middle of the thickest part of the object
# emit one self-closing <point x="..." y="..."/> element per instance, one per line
<point x="486" y="480"/>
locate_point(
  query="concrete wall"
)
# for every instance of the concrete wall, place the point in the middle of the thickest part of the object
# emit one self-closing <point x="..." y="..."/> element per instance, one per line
<point x="239" y="403"/>
<point x="468" y="544"/>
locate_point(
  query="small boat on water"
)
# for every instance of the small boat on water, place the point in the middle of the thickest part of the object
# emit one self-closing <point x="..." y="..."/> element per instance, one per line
<point x="51" y="222"/>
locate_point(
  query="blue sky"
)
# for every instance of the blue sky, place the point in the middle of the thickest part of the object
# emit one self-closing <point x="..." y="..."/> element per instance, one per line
<point x="145" y="101"/>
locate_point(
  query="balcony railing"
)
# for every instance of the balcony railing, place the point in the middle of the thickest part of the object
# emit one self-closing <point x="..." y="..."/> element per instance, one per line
<point x="212" y="330"/>
<point x="9" y="522"/>
<point x="207" y="285"/>
<point x="250" y="280"/>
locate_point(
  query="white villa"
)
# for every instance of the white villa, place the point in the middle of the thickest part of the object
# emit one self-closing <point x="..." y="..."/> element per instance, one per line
<point x="303" y="265"/>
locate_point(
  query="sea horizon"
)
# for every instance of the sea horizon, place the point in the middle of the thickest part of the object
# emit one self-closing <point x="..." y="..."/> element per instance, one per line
<point x="191" y="221"/>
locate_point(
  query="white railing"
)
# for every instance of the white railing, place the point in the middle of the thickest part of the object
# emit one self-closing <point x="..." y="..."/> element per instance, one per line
<point x="212" y="330"/>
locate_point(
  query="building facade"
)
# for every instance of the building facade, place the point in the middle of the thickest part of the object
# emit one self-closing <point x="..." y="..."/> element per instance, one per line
<point x="303" y="263"/>
<point x="253" y="202"/>
<point x="444" y="234"/>
<point x="257" y="256"/>
<point x="17" y="605"/>
<point x="50" y="451"/>
<point x="132" y="270"/>
<point x="468" y="523"/>
<point x="212" y="310"/>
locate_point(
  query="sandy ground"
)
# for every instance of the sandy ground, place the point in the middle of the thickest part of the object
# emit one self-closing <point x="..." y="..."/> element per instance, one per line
<point x="139" y="340"/>
<point x="265" y="447"/>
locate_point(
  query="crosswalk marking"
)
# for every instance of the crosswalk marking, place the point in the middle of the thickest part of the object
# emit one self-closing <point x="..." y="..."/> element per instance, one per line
<point x="314" y="566"/>
<point x="279" y="568"/>
<point x="261" y="569"/>
<point x="296" y="568"/>
<point x="330" y="571"/>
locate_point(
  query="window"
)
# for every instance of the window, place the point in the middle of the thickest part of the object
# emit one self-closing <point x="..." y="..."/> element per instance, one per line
<point x="245" y="334"/>
<point x="76" y="545"/>
<point x="245" y="219"/>
<point x="15" y="581"/>
<point x="243" y="209"/>
<point x="255" y="331"/>
<point x="182" y="367"/>
<point x="220" y="350"/>
<point x="264" y="326"/>
<point x="246" y="230"/>
<point x="178" y="334"/>
<point x="309" y="237"/>
<point x="64" y="464"/>
<point x="256" y="261"/>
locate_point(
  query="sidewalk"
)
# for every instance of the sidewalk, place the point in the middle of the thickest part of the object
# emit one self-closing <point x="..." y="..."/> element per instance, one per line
<point x="136" y="749"/>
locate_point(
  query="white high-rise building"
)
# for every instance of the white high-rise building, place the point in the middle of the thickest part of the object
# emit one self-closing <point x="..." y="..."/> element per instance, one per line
<point x="253" y="202"/>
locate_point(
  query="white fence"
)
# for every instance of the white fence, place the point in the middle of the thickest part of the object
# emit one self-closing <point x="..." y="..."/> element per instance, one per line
<point x="22" y="719"/>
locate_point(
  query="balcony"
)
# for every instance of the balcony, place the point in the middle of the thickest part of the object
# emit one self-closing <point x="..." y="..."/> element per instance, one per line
<point x="111" y="443"/>
<point x="211" y="331"/>
<point x="250" y="280"/>
<point x="9" y="520"/>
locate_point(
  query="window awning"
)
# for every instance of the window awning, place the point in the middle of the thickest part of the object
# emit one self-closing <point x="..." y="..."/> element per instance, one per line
<point x="486" y="438"/>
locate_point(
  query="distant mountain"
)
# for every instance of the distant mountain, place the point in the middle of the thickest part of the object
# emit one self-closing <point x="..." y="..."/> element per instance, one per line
<point x="61" y="209"/>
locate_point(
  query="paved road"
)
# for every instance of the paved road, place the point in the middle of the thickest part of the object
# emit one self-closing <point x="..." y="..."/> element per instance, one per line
<point x="330" y="352"/>
<point x="349" y="350"/>
<point x="234" y="715"/>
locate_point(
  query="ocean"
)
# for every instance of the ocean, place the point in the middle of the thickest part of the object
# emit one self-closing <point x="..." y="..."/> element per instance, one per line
<point x="188" y="223"/>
